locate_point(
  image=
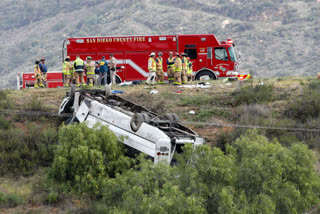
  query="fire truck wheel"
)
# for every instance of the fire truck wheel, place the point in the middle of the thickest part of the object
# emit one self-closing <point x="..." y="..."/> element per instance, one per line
<point x="146" y="118"/>
<point x="136" y="121"/>
<point x="205" y="73"/>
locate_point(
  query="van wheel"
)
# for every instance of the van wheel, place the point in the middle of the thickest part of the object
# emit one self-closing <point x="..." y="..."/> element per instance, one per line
<point x="172" y="117"/>
<point x="146" y="118"/>
<point x="136" y="121"/>
<point x="205" y="73"/>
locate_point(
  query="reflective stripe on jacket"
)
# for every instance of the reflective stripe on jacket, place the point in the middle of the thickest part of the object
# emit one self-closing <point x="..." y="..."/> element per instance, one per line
<point x="78" y="65"/>
<point x="37" y="70"/>
<point x="66" y="67"/>
<point x="159" y="63"/>
<point x="170" y="62"/>
<point x="185" y="64"/>
<point x="178" y="64"/>
<point x="151" y="64"/>
<point x="90" y="67"/>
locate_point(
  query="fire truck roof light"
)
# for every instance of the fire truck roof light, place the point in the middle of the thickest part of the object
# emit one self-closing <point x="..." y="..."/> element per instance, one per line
<point x="80" y="41"/>
<point x="230" y="41"/>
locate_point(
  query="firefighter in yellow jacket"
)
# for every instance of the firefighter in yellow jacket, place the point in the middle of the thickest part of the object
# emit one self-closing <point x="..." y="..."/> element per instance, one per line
<point x="190" y="70"/>
<point x="177" y="70"/>
<point x="152" y="70"/>
<point x="185" y="68"/>
<point x="90" y="67"/>
<point x="159" y="66"/>
<point x="37" y="75"/>
<point x="170" y="70"/>
<point x="67" y="69"/>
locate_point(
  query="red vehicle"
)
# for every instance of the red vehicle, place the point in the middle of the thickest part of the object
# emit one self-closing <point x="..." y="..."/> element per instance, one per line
<point x="209" y="57"/>
<point x="26" y="80"/>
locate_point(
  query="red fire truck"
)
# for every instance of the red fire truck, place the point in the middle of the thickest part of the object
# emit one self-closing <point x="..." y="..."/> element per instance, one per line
<point x="209" y="57"/>
<point x="27" y="80"/>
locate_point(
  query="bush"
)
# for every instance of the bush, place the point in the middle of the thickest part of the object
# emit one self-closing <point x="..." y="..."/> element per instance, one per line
<point x="149" y="190"/>
<point x="4" y="124"/>
<point x="86" y="157"/>
<point x="254" y="175"/>
<point x="5" y="101"/>
<point x="35" y="104"/>
<point x="254" y="94"/>
<point x="52" y="197"/>
<point x="206" y="114"/>
<point x="9" y="200"/>
<point x="23" y="152"/>
<point x="307" y="106"/>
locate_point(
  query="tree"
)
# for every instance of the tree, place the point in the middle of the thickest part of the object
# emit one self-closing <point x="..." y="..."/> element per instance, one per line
<point x="86" y="157"/>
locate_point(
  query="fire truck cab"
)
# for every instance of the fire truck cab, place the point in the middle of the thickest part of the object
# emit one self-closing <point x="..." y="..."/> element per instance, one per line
<point x="209" y="57"/>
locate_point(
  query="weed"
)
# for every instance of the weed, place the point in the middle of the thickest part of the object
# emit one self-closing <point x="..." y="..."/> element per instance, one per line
<point x="4" y="124"/>
<point x="9" y="200"/>
<point x="52" y="197"/>
<point x="205" y="115"/>
<point x="5" y="101"/>
<point x="35" y="104"/>
<point x="254" y="94"/>
<point x="23" y="152"/>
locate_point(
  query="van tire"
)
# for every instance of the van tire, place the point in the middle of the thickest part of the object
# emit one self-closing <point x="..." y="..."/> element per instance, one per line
<point x="172" y="117"/>
<point x="136" y="121"/>
<point x="146" y="118"/>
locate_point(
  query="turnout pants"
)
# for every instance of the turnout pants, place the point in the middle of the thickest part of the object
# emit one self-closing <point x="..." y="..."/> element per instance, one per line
<point x="90" y="79"/>
<point x="67" y="80"/>
<point x="81" y="76"/>
<point x="152" y="78"/>
<point x="170" y="73"/>
<point x="177" y="78"/>
<point x="38" y="81"/>
<point x="184" y="77"/>
<point x="160" y="76"/>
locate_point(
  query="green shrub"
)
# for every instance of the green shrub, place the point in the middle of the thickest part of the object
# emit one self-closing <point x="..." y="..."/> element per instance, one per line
<point x="4" y="124"/>
<point x="9" y="200"/>
<point x="205" y="115"/>
<point x="23" y="152"/>
<point x="254" y="94"/>
<point x="35" y="104"/>
<point x="85" y="157"/>
<point x="52" y="197"/>
<point x="5" y="101"/>
<point x="307" y="106"/>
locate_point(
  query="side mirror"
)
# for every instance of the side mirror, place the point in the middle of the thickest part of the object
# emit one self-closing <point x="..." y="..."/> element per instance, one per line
<point x="239" y="54"/>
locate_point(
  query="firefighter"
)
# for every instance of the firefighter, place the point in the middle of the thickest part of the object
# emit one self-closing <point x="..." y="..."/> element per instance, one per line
<point x="90" y="67"/>
<point x="152" y="70"/>
<point x="170" y="64"/>
<point x="78" y="65"/>
<point x="190" y="70"/>
<point x="159" y="67"/>
<point x="185" y="65"/>
<point x="37" y="74"/>
<point x="113" y="69"/>
<point x="177" y="70"/>
<point x="44" y="70"/>
<point x="66" y="70"/>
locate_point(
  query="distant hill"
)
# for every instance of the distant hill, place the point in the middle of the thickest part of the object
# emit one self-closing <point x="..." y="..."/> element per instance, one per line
<point x="277" y="38"/>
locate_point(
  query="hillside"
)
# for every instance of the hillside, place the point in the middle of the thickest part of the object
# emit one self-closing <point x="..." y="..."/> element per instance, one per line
<point x="237" y="165"/>
<point x="277" y="38"/>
